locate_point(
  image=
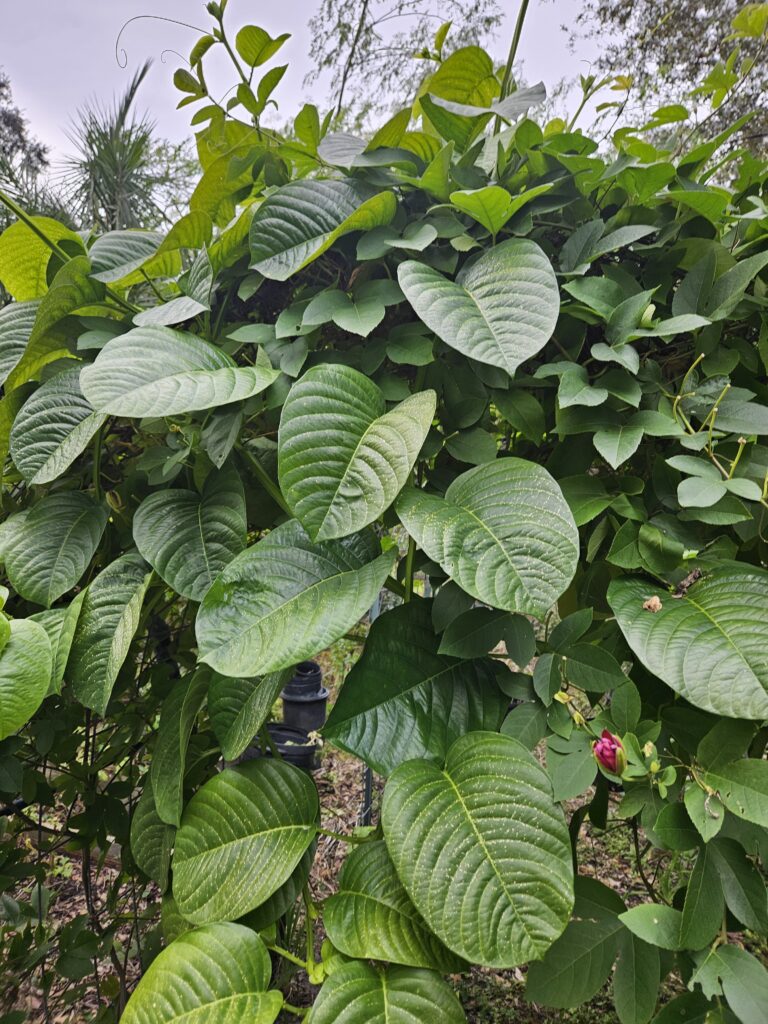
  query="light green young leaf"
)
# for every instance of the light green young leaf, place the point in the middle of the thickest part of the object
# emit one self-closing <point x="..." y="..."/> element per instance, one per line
<point x="26" y="664"/>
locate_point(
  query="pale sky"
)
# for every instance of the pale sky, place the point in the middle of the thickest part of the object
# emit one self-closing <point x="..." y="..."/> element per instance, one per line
<point x="60" y="53"/>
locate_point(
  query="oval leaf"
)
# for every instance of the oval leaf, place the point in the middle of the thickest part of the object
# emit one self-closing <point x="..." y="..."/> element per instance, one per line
<point x="151" y="838"/>
<point x="216" y="975"/>
<point x="285" y="598"/>
<point x="482" y="849"/>
<point x="52" y="428"/>
<point x="188" y="538"/>
<point x="342" y="459"/>
<point x="500" y="310"/>
<point x="357" y="993"/>
<point x="156" y="371"/>
<point x="180" y="708"/>
<point x="239" y="707"/>
<point x="108" y="620"/>
<point x="372" y="918"/>
<point x="709" y="644"/>
<point x="48" y="548"/>
<point x="301" y="220"/>
<point x="503" y="532"/>
<point x="404" y="700"/>
<point x="25" y="673"/>
<point x="241" y="836"/>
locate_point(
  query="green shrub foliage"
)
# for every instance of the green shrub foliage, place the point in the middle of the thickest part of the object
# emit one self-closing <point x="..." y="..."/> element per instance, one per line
<point x="509" y="374"/>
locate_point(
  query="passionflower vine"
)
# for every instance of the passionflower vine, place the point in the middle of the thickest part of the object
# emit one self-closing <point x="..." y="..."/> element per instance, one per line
<point x="610" y="753"/>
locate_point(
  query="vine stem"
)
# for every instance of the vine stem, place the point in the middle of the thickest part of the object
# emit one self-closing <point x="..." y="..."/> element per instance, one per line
<point x="507" y="78"/>
<point x="287" y="955"/>
<point x="353" y="840"/>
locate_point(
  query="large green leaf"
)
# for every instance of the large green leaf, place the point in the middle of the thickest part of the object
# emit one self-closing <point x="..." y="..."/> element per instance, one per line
<point x="239" y="707"/>
<point x="357" y="993"/>
<point x="16" y="322"/>
<point x="500" y="310"/>
<point x="301" y="220"/>
<point x="282" y="899"/>
<point x="117" y="253"/>
<point x="157" y="371"/>
<point x="404" y="700"/>
<point x="213" y="975"/>
<point x="372" y="918"/>
<point x="503" y="532"/>
<point x="180" y="708"/>
<point x="744" y="981"/>
<point x="743" y="787"/>
<point x="285" y="598"/>
<point x="108" y="620"/>
<point x="709" y="644"/>
<point x="52" y="428"/>
<point x="48" y="547"/>
<point x="241" y="836"/>
<point x="189" y="538"/>
<point x="482" y="849"/>
<point x="25" y="674"/>
<point x="24" y="256"/>
<point x="60" y="624"/>
<point x="151" y="838"/>
<point x="577" y="966"/>
<point x="342" y="458"/>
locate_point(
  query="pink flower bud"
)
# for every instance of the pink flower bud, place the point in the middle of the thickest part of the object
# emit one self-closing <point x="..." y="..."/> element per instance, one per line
<point x="610" y="753"/>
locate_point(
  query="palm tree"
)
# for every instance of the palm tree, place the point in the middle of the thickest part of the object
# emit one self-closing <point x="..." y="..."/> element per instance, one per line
<point x="110" y="182"/>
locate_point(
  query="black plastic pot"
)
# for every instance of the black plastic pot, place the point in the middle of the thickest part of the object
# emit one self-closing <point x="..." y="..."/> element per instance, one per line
<point x="305" y="699"/>
<point x="293" y="745"/>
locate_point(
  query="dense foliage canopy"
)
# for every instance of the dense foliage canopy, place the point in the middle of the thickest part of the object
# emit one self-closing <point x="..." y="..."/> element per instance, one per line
<point x="515" y="380"/>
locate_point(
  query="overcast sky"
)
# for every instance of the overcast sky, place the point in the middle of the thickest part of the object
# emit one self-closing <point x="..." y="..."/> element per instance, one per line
<point x="60" y="53"/>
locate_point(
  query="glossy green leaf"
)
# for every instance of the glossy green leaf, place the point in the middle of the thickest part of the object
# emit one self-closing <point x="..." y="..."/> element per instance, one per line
<point x="500" y="310"/>
<point x="116" y="254"/>
<point x="482" y="849"/>
<point x="213" y="975"/>
<point x="708" y="645"/>
<point x="299" y="221"/>
<point x="48" y="548"/>
<point x="108" y="621"/>
<point x="503" y="532"/>
<point x="655" y="923"/>
<point x="239" y="707"/>
<point x="26" y="664"/>
<point x="273" y="908"/>
<point x="189" y="538"/>
<point x="151" y="838"/>
<point x="342" y="458"/>
<point x="16" y="322"/>
<point x="241" y="836"/>
<point x="52" y="428"/>
<point x="156" y="371"/>
<point x="180" y="708"/>
<point x="577" y="966"/>
<point x="743" y="788"/>
<point x="404" y="700"/>
<point x="372" y="918"/>
<point x="357" y="993"/>
<point x="285" y="599"/>
<point x="60" y="624"/>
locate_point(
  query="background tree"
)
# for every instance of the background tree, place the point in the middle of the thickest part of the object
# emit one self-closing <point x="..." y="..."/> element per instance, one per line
<point x="669" y="46"/>
<point x="362" y="41"/>
<point x="122" y="176"/>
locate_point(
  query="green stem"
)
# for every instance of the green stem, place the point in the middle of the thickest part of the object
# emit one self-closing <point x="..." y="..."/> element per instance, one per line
<point x="287" y="955"/>
<point x="267" y="743"/>
<point x="297" y="1011"/>
<point x="394" y="586"/>
<point x="505" y="81"/>
<point x="97" y="446"/>
<point x="266" y="481"/>
<point x="409" y="559"/>
<point x="353" y="840"/>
